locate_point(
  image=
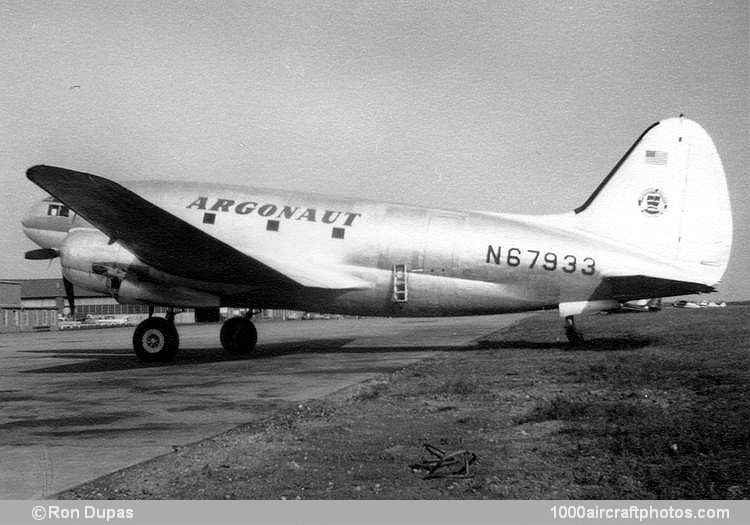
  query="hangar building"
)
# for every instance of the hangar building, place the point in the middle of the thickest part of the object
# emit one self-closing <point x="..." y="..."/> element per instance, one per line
<point x="50" y="293"/>
<point x="17" y="317"/>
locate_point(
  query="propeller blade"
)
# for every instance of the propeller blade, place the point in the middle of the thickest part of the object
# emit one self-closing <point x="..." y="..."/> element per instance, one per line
<point x="41" y="253"/>
<point x="71" y="297"/>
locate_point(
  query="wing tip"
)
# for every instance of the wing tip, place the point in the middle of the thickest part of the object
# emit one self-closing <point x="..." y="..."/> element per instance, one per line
<point x="40" y="174"/>
<point x="35" y="171"/>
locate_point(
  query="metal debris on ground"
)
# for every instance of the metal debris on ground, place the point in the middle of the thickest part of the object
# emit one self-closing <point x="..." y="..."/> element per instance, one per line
<point x="444" y="465"/>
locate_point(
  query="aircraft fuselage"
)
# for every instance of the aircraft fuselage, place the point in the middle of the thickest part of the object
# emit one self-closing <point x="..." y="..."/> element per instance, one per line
<point x="456" y="263"/>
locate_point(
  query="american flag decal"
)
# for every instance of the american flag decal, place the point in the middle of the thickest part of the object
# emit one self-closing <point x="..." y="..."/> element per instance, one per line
<point x="656" y="157"/>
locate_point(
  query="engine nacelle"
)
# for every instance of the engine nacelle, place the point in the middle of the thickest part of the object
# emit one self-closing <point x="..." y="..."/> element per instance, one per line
<point x="90" y="261"/>
<point x="132" y="290"/>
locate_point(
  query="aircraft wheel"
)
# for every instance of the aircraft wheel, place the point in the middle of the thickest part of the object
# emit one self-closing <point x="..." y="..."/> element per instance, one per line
<point x="156" y="340"/>
<point x="238" y="335"/>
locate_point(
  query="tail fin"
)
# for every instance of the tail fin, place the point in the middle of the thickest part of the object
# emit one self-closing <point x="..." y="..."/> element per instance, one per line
<point x="668" y="198"/>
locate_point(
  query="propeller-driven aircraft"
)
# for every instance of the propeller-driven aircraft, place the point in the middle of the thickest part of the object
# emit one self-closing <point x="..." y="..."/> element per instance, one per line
<point x="638" y="306"/>
<point x="659" y="225"/>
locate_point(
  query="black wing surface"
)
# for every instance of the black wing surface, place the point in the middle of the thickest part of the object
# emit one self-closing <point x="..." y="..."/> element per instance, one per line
<point x="168" y="243"/>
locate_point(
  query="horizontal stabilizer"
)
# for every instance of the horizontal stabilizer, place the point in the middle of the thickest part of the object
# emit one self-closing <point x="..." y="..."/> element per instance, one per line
<point x="627" y="288"/>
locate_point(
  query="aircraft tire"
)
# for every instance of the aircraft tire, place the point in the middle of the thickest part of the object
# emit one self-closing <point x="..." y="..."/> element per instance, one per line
<point x="238" y="335"/>
<point x="156" y="340"/>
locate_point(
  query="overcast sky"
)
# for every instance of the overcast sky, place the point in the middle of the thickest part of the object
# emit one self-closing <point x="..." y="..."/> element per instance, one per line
<point x="501" y="106"/>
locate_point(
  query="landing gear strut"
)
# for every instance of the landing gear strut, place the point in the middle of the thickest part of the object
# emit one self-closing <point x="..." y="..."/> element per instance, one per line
<point x="238" y="335"/>
<point x="156" y="339"/>
<point x="571" y="333"/>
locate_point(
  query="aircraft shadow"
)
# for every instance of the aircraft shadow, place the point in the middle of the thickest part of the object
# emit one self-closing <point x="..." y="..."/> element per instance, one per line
<point x="110" y="360"/>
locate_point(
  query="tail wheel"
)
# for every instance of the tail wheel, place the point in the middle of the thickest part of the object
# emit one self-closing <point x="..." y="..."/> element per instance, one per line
<point x="238" y="335"/>
<point x="156" y="340"/>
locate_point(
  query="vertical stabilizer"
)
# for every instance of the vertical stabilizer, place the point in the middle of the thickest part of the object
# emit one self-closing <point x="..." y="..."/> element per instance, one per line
<point x="668" y="198"/>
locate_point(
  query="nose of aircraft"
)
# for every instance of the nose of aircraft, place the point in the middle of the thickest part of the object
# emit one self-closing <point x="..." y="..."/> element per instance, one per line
<point x="33" y="219"/>
<point x="47" y="223"/>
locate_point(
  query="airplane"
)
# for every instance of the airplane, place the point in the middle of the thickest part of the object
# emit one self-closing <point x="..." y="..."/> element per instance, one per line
<point x="658" y="225"/>
<point x="638" y="306"/>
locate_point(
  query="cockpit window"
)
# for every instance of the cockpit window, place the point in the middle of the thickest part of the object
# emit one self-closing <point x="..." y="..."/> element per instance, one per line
<point x="58" y="210"/>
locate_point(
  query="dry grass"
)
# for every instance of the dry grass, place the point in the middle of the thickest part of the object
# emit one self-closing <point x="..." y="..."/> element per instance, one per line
<point x="652" y="406"/>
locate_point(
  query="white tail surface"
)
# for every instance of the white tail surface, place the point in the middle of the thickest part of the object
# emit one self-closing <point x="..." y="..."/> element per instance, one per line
<point x="667" y="198"/>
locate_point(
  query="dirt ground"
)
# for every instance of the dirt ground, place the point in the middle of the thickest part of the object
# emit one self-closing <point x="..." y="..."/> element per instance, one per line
<point x="652" y="406"/>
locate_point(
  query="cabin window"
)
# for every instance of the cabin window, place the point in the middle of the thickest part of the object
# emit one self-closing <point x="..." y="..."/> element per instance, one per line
<point x="272" y="226"/>
<point x="58" y="210"/>
<point x="209" y="218"/>
<point x="338" y="233"/>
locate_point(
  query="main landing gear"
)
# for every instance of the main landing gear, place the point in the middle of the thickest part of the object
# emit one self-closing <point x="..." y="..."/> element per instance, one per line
<point x="238" y="335"/>
<point x="574" y="337"/>
<point x="156" y="339"/>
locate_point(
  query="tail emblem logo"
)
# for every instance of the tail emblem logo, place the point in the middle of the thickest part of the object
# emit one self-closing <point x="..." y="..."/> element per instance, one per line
<point x="652" y="202"/>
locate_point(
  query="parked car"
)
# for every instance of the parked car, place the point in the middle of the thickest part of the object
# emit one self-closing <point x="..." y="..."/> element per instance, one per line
<point x="313" y="315"/>
<point x="111" y="320"/>
<point x="68" y="325"/>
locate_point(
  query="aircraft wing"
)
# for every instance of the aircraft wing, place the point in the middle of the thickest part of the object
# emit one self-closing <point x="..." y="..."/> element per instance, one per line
<point x="170" y="244"/>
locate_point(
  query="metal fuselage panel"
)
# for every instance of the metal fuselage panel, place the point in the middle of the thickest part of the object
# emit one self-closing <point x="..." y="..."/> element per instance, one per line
<point x="458" y="263"/>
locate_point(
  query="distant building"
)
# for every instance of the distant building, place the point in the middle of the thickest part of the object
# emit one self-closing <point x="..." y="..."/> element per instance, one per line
<point x="50" y="293"/>
<point x="17" y="317"/>
<point x="10" y="294"/>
